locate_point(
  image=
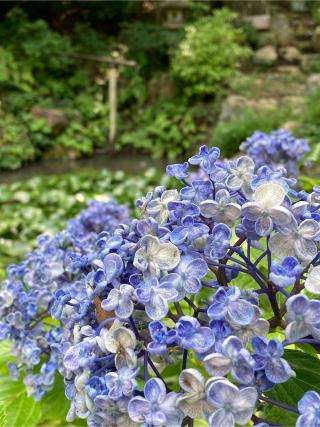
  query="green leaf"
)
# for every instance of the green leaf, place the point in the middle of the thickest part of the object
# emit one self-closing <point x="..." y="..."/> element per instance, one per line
<point x="21" y="411"/>
<point x="55" y="405"/>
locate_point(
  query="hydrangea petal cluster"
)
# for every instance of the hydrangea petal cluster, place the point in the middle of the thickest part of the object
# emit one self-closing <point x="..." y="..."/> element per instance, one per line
<point x="181" y="288"/>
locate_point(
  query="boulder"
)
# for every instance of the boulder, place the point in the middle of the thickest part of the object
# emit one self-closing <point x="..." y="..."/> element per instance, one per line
<point x="259" y="22"/>
<point x="56" y="119"/>
<point x="266" y="55"/>
<point x="233" y="105"/>
<point x="289" y="69"/>
<point x="280" y="26"/>
<point x="290" y="54"/>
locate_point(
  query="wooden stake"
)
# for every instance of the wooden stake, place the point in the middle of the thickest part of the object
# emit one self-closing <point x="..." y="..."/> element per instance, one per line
<point x="113" y="77"/>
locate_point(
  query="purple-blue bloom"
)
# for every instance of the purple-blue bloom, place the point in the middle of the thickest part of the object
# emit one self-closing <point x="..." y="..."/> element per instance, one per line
<point x="157" y="408"/>
<point x="286" y="273"/>
<point x="218" y="242"/>
<point x="309" y="410"/>
<point x="268" y="358"/>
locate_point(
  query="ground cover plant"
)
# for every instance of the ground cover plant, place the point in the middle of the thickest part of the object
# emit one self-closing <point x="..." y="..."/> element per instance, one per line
<point x="203" y="310"/>
<point x="44" y="204"/>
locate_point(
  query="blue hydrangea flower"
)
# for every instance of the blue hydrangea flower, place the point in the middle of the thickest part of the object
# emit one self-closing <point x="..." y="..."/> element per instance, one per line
<point x="266" y="209"/>
<point x="152" y="257"/>
<point x="218" y="242"/>
<point x="182" y="209"/>
<point x="178" y="170"/>
<point x="229" y="304"/>
<point x="233" y="358"/>
<point x="157" y="408"/>
<point x="120" y="300"/>
<point x="240" y="174"/>
<point x="232" y="405"/>
<point x="158" y="208"/>
<point x="221" y="209"/>
<point x="80" y="355"/>
<point x="192" y="401"/>
<point x="268" y="358"/>
<point x="160" y="338"/>
<point x="309" y="410"/>
<point x="296" y="240"/>
<point x="109" y="269"/>
<point x="256" y="327"/>
<point x="121" y="342"/>
<point x="189" y="230"/>
<point x="194" y="336"/>
<point x="188" y="274"/>
<point x="155" y="296"/>
<point x="302" y="317"/>
<point x="206" y="158"/>
<point x="278" y="148"/>
<point x="285" y="274"/>
<point x="198" y="191"/>
<point x="121" y="383"/>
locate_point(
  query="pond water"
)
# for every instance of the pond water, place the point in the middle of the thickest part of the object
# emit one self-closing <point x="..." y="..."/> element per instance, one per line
<point x="131" y="164"/>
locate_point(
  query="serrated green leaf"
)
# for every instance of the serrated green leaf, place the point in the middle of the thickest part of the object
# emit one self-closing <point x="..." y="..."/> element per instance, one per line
<point x="22" y="411"/>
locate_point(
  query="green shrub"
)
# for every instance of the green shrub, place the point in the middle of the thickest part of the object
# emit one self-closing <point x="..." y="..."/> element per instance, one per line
<point x="15" y="145"/>
<point x="207" y="58"/>
<point x="165" y="129"/>
<point x="229" y="135"/>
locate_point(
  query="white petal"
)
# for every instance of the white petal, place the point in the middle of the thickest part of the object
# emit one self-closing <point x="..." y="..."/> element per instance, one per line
<point x="191" y="380"/>
<point x="280" y="215"/>
<point x="309" y="228"/>
<point x="168" y="256"/>
<point x="169" y="196"/>
<point x="217" y="365"/>
<point x="269" y="195"/>
<point x="306" y="250"/>
<point x="282" y="245"/>
<point x="312" y="284"/>
<point x="209" y="208"/>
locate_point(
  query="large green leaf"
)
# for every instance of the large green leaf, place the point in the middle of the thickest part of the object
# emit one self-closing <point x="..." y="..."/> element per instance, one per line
<point x="307" y="369"/>
<point x="55" y="405"/>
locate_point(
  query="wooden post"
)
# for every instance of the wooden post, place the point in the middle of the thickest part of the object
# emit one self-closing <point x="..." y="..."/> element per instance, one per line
<point x="112" y="77"/>
<point x="116" y="60"/>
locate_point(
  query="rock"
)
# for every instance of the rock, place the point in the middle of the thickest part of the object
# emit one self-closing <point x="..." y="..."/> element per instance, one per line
<point x="266" y="104"/>
<point x="290" y="54"/>
<point x="313" y="83"/>
<point x="259" y="22"/>
<point x="233" y="105"/>
<point x="282" y="30"/>
<point x="316" y="39"/>
<point x="289" y="69"/>
<point x="266" y="55"/>
<point x="56" y="119"/>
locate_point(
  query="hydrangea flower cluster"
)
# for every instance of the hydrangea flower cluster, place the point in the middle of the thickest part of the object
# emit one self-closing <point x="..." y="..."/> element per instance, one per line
<point x="27" y="295"/>
<point x="175" y="316"/>
<point x="279" y="148"/>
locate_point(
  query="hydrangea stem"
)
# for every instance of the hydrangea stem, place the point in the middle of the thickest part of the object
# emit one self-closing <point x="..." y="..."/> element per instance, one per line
<point x="279" y="404"/>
